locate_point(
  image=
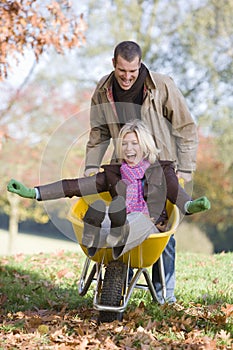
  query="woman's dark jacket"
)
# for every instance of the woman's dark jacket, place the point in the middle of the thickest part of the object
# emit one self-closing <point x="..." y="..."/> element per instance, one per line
<point x="159" y="183"/>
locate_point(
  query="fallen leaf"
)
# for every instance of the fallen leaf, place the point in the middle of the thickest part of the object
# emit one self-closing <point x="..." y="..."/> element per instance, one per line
<point x="43" y="329"/>
<point x="227" y="309"/>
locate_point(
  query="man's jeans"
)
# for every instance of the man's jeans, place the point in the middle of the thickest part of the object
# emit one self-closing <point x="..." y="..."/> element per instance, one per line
<point x="169" y="255"/>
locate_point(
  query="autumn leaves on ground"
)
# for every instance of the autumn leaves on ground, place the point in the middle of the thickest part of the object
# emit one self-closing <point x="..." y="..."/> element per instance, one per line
<point x="41" y="309"/>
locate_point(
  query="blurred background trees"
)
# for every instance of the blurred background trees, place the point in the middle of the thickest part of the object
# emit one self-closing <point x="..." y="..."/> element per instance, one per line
<point x="44" y="103"/>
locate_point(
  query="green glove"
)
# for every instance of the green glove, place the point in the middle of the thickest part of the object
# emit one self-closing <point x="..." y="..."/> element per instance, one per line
<point x="197" y="205"/>
<point x="18" y="188"/>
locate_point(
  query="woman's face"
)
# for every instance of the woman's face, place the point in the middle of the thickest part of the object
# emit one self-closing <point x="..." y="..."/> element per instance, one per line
<point x="131" y="150"/>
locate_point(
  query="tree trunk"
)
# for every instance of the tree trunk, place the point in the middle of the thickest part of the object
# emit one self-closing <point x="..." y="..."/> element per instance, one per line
<point x="13" y="221"/>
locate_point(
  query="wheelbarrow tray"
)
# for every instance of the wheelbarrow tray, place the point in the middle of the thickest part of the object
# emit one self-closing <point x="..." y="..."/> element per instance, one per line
<point x="143" y="255"/>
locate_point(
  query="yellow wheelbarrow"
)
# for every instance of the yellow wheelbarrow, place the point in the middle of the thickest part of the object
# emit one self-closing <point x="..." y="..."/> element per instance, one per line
<point x="113" y="291"/>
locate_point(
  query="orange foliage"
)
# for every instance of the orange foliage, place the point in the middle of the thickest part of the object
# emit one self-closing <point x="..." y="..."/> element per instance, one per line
<point x="28" y="24"/>
<point x="213" y="180"/>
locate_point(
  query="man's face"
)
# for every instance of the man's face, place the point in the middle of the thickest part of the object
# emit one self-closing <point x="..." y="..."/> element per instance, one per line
<point x="126" y="73"/>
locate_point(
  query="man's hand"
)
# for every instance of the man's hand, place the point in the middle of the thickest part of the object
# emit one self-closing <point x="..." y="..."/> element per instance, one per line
<point x="187" y="177"/>
<point x="90" y="172"/>
<point x="197" y="205"/>
<point x="17" y="187"/>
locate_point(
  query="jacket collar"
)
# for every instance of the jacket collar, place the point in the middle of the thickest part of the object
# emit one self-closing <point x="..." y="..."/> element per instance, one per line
<point x="153" y="173"/>
<point x="150" y="83"/>
<point x="107" y="82"/>
<point x="153" y="166"/>
<point x="115" y="168"/>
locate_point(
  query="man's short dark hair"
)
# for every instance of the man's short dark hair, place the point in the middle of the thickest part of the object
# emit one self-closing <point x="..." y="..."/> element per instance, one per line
<point x="128" y="50"/>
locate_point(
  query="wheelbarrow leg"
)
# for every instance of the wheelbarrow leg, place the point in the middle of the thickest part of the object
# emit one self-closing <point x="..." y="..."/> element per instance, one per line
<point x="85" y="282"/>
<point x="162" y="276"/>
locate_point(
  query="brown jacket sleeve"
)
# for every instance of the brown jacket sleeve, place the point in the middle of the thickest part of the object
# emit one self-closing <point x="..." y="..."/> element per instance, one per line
<point x="175" y="193"/>
<point x="73" y="187"/>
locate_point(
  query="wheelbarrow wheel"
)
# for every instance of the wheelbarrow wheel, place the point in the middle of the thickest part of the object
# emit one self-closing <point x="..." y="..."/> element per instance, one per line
<point x="113" y="285"/>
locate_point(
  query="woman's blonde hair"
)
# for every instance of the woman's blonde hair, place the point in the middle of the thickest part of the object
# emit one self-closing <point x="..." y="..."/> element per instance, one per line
<point x="145" y="139"/>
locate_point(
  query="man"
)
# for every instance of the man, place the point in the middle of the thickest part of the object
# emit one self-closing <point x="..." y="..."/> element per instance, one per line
<point x="132" y="91"/>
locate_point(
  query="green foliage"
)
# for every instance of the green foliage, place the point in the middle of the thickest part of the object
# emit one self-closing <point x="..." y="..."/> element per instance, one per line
<point x="205" y="41"/>
<point x="222" y="238"/>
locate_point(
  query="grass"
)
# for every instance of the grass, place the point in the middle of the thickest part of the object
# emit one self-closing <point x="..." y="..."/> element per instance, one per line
<point x="41" y="281"/>
<point x="205" y="278"/>
<point x="49" y="283"/>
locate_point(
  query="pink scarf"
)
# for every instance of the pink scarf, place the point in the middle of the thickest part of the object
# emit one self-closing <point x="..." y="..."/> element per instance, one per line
<point x="133" y="176"/>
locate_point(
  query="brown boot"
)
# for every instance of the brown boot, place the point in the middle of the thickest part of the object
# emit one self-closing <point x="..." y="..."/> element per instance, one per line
<point x="119" y="227"/>
<point x="93" y="218"/>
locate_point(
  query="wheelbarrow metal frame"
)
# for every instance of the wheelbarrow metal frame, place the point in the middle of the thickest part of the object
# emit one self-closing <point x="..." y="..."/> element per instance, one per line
<point x="133" y="259"/>
<point x="97" y="269"/>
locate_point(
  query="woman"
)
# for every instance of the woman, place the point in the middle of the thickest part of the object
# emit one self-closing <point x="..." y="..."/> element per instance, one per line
<point x="139" y="185"/>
